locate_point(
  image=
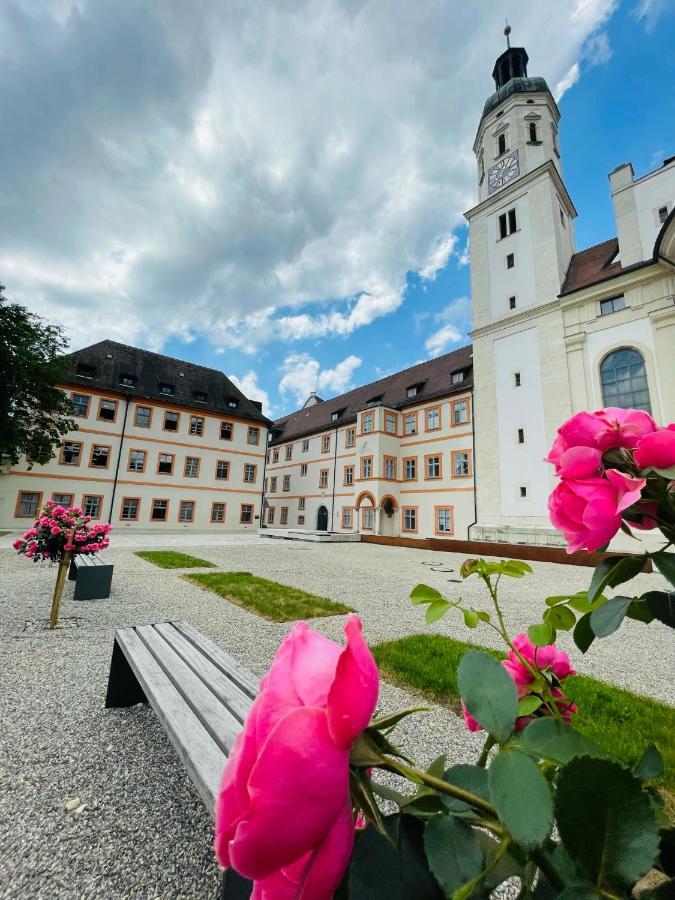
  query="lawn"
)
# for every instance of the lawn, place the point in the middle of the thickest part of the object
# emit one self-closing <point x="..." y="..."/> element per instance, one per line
<point x="271" y="600"/>
<point x="3" y="533"/>
<point x="622" y="722"/>
<point x="170" y="559"/>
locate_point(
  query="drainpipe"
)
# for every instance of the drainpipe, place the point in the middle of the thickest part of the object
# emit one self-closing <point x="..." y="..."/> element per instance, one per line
<point x="332" y="505"/>
<point x="119" y="457"/>
<point x="473" y="466"/>
<point x="262" y="488"/>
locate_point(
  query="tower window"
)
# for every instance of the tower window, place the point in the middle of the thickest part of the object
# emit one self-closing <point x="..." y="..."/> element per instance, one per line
<point x="612" y="304"/>
<point x="516" y="379"/>
<point x="533" y="133"/>
<point x="663" y="214"/>
<point x="523" y="491"/>
<point x="501" y="144"/>
<point x="510" y="260"/>
<point x="562" y="217"/>
<point x="508" y="223"/>
<point x="521" y="435"/>
<point x="512" y="302"/>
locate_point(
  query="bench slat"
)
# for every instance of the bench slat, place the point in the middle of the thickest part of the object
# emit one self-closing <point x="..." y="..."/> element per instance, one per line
<point x="200" y="754"/>
<point x="209" y="710"/>
<point x="228" y="692"/>
<point x="218" y="657"/>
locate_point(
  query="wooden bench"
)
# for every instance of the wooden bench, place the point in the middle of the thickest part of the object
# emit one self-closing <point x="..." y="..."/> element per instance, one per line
<point x="92" y="576"/>
<point x="199" y="693"/>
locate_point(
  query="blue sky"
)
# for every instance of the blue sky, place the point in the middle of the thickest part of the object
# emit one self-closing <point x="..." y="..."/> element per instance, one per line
<point x="279" y="193"/>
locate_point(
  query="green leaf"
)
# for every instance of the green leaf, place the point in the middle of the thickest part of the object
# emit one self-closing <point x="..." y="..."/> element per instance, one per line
<point x="668" y="473"/>
<point x="385" y="723"/>
<point x="471" y="778"/>
<point x="579" y="602"/>
<point x="436" y="611"/>
<point x="471" y="618"/>
<point x="640" y="611"/>
<point x="483" y="616"/>
<point x="607" y="618"/>
<point x="650" y="764"/>
<point x="606" y="822"/>
<point x="437" y="767"/>
<point x="560" y="617"/>
<point x="662" y="605"/>
<point x="393" y="867"/>
<point x="488" y="693"/>
<point x="612" y="571"/>
<point x="422" y="593"/>
<point x="453" y="852"/>
<point x="541" y="635"/>
<point x="528" y="705"/>
<point x="555" y="601"/>
<point x="548" y="738"/>
<point x="388" y="793"/>
<point x="583" y="633"/>
<point x="515" y="568"/>
<point x="521" y="796"/>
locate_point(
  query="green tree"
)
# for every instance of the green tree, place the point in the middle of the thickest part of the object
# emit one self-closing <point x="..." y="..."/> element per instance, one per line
<point x="34" y="414"/>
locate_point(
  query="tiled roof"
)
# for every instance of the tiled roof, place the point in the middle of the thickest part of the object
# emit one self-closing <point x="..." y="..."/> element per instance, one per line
<point x="108" y="361"/>
<point x="432" y="377"/>
<point x="592" y="265"/>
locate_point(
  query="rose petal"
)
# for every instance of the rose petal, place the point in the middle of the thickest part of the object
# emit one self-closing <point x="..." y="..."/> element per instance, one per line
<point x="353" y="694"/>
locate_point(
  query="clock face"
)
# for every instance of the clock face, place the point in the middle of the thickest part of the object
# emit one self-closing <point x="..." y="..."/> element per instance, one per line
<point x="503" y="171"/>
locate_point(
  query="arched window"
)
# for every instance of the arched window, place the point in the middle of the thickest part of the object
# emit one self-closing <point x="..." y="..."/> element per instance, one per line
<point x="501" y="144"/>
<point x="624" y="380"/>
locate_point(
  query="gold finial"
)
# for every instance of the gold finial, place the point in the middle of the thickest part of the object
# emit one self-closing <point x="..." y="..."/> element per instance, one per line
<point x="507" y="32"/>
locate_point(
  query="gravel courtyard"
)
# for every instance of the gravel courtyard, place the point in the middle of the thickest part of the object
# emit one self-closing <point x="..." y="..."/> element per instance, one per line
<point x="142" y="831"/>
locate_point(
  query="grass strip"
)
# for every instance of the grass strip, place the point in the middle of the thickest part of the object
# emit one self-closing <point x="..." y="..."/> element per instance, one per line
<point x="269" y="599"/>
<point x="3" y="533"/>
<point x="622" y="722"/>
<point x="170" y="559"/>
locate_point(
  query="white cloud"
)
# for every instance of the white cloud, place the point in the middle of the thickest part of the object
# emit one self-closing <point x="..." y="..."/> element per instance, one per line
<point x="243" y="174"/>
<point x="649" y="12"/>
<point x="597" y="50"/>
<point x="249" y="386"/>
<point x="568" y="80"/>
<point x="438" y="342"/>
<point x="302" y="374"/>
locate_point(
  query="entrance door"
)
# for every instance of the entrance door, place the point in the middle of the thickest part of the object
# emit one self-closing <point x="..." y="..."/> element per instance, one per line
<point x="322" y="519"/>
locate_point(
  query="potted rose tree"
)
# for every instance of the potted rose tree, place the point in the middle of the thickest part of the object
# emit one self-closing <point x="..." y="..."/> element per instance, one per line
<point x="298" y="813"/>
<point x="57" y="535"/>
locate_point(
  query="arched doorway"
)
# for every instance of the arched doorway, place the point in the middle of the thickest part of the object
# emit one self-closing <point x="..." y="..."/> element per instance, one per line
<point x="623" y="377"/>
<point x="389" y="516"/>
<point x="365" y="510"/>
<point x="322" y="519"/>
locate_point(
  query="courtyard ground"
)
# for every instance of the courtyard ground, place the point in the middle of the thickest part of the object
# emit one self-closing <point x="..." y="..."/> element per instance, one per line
<point x="142" y="830"/>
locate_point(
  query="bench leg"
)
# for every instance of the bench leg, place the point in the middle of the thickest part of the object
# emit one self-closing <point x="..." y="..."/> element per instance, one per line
<point x="123" y="686"/>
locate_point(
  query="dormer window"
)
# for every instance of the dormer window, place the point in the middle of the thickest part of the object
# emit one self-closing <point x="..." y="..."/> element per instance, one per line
<point x="457" y="377"/>
<point x="167" y="389"/>
<point x="128" y="380"/>
<point x="233" y="404"/>
<point x="374" y="400"/>
<point x="85" y="371"/>
<point x="200" y="396"/>
<point x="412" y="391"/>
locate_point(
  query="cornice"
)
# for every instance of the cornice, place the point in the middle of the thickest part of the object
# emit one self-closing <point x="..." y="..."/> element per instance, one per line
<point x="525" y="316"/>
<point x="523" y="181"/>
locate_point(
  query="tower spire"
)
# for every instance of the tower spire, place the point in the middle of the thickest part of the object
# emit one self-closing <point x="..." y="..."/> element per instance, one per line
<point x="507" y="32"/>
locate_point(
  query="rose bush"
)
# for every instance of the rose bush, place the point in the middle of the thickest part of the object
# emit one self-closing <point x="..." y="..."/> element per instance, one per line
<point x="59" y="530"/>
<point x="284" y="816"/>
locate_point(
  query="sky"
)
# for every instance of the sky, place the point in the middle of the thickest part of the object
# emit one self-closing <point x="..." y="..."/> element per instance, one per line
<point x="277" y="190"/>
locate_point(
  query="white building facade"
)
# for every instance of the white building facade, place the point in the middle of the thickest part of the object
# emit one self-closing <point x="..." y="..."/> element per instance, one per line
<point x="556" y="331"/>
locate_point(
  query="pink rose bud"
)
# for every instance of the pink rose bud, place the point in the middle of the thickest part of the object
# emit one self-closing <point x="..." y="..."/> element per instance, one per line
<point x="657" y="449"/>
<point x="18" y="544"/>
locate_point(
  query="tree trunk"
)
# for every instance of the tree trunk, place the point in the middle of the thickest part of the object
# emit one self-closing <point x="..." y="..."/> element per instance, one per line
<point x="58" y="589"/>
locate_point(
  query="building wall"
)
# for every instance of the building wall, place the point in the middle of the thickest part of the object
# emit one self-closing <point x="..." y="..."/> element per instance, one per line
<point x="636" y="208"/>
<point x="203" y="489"/>
<point x="377" y="488"/>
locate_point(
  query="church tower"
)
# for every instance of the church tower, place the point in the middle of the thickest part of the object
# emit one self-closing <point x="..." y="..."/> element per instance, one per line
<point x="522" y="240"/>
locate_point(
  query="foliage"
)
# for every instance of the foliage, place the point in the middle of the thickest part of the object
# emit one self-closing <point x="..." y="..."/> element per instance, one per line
<point x="271" y="600"/>
<point x="171" y="559"/>
<point x="34" y="414"/>
<point x="59" y="530"/>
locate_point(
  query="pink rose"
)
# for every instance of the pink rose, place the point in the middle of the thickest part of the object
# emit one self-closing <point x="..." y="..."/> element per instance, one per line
<point x="18" y="544"/>
<point x="44" y="521"/>
<point x="556" y="661"/>
<point x="566" y="707"/>
<point x="588" y="512"/>
<point x="469" y="720"/>
<point x="58" y="511"/>
<point x="657" y="449"/>
<point x="68" y="547"/>
<point x="602" y="430"/>
<point x="77" y="511"/>
<point x="50" y="503"/>
<point x="284" y="817"/>
<point x="55" y="530"/>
